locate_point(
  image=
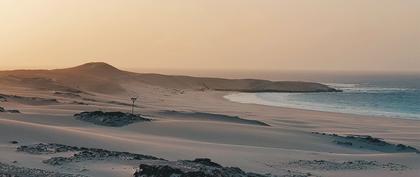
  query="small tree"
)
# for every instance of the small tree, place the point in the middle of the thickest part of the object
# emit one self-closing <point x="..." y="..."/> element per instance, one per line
<point x="133" y="99"/>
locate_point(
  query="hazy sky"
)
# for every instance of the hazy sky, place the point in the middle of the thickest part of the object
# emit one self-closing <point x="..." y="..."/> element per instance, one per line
<point x="212" y="34"/>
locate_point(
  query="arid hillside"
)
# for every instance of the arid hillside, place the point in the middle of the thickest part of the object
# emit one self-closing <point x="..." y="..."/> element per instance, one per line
<point x="104" y="78"/>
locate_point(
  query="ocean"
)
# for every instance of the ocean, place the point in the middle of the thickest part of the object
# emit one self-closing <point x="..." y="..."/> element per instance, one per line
<point x="396" y="96"/>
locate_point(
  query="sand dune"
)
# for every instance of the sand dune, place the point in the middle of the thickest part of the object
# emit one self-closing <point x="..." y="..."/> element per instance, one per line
<point x="201" y="124"/>
<point x="104" y="78"/>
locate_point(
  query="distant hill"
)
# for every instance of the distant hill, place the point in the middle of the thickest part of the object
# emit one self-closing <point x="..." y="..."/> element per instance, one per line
<point x="104" y="78"/>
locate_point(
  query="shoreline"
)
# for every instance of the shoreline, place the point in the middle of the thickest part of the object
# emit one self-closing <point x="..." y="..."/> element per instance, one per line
<point x="268" y="103"/>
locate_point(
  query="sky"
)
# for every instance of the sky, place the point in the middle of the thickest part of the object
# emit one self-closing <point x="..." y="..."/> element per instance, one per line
<point x="266" y="35"/>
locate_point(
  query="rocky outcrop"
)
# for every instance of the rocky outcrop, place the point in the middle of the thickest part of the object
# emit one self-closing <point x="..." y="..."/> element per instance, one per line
<point x="111" y="119"/>
<point x="7" y="175"/>
<point x="368" y="142"/>
<point x="150" y="166"/>
<point x="15" y="171"/>
<point x="50" y="148"/>
<point x="346" y="165"/>
<point x="206" y="162"/>
<point x="194" y="168"/>
<point x="80" y="153"/>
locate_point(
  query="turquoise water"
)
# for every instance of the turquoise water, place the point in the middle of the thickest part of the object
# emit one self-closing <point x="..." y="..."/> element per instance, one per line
<point x="364" y="99"/>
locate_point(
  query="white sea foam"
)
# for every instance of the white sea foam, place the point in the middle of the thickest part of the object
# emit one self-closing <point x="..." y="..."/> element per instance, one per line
<point x="366" y="89"/>
<point x="289" y="100"/>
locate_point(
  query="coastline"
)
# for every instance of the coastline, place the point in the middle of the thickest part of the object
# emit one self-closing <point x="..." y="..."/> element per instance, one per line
<point x="247" y="98"/>
<point x="222" y="96"/>
<point x="188" y="124"/>
<point x="384" y="127"/>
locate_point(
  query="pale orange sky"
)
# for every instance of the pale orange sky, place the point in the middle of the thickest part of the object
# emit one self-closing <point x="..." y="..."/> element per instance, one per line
<point x="212" y="34"/>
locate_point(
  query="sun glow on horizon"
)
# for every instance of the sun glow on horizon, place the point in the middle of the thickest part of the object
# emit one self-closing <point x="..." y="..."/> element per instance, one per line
<point x="219" y="35"/>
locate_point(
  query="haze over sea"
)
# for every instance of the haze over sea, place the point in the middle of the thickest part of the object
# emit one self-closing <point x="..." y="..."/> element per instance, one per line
<point x="378" y="94"/>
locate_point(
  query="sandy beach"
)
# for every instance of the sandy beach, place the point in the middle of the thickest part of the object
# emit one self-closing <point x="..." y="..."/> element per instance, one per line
<point x="188" y="124"/>
<point x="209" y="88"/>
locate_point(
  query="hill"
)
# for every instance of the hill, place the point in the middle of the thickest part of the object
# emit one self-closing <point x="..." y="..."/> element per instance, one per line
<point x="104" y="78"/>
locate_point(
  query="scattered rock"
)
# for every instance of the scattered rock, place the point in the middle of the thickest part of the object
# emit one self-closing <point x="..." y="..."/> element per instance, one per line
<point x="2" y="109"/>
<point x="369" y="142"/>
<point x="195" y="168"/>
<point x="42" y="148"/>
<point x="149" y="166"/>
<point x="80" y="153"/>
<point x="347" y="165"/>
<point x="7" y="175"/>
<point x="15" y="171"/>
<point x="112" y="119"/>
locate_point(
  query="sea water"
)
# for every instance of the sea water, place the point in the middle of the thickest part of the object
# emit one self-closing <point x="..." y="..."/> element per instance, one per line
<point x="392" y="98"/>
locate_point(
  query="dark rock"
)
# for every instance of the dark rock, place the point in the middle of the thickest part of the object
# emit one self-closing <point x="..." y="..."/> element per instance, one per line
<point x="346" y="165"/>
<point x="402" y="147"/>
<point x="16" y="171"/>
<point x="81" y="153"/>
<point x="112" y="119"/>
<point x="13" y="142"/>
<point x="369" y="142"/>
<point x="207" y="162"/>
<point x="7" y="175"/>
<point x="3" y="99"/>
<point x="346" y="143"/>
<point x="157" y="171"/>
<point x="13" y="111"/>
<point x="149" y="166"/>
<point x="195" y="168"/>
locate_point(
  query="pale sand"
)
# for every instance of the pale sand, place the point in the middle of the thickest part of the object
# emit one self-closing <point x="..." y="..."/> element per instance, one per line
<point x="256" y="148"/>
